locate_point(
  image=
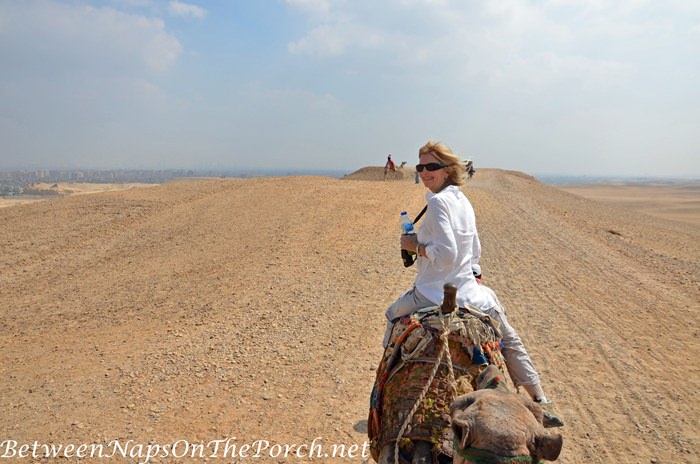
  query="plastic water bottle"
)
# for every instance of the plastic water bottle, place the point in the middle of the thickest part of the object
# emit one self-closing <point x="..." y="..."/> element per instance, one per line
<point x="407" y="228"/>
<point x="407" y="224"/>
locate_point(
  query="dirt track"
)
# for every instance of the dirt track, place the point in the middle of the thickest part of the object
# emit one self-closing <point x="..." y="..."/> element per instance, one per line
<point x="253" y="308"/>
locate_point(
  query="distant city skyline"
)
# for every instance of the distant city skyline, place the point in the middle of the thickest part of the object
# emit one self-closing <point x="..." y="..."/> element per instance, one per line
<point x="552" y="87"/>
<point x="21" y="178"/>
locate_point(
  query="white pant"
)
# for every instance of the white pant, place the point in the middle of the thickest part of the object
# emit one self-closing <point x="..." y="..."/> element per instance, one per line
<point x="520" y="367"/>
<point x="408" y="303"/>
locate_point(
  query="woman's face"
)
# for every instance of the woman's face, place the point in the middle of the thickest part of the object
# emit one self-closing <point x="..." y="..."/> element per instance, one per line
<point x="433" y="180"/>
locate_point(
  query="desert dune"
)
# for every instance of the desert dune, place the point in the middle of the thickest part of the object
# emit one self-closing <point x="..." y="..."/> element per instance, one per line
<point x="678" y="201"/>
<point x="253" y="309"/>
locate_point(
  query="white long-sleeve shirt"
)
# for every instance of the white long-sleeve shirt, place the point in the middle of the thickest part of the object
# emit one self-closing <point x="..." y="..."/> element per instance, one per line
<point x="452" y="244"/>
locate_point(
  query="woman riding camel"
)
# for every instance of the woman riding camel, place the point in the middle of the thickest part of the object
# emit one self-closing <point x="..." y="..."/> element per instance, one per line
<point x="447" y="245"/>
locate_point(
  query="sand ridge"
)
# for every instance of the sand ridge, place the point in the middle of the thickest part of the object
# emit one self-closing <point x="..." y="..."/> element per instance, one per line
<point x="253" y="308"/>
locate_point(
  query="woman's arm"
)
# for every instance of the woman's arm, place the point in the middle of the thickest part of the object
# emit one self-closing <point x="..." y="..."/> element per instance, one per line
<point x="476" y="249"/>
<point x="440" y="245"/>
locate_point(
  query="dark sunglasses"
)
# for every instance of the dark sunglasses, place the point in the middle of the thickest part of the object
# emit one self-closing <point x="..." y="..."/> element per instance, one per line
<point x="430" y="167"/>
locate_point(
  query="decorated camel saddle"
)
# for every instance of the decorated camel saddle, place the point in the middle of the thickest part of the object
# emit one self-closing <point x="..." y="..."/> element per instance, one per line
<point x="441" y="395"/>
<point x="434" y="355"/>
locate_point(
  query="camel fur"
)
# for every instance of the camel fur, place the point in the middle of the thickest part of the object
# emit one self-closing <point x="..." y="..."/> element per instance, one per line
<point x="500" y="423"/>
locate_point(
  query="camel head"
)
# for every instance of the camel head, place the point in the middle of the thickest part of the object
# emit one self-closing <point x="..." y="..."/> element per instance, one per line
<point x="494" y="423"/>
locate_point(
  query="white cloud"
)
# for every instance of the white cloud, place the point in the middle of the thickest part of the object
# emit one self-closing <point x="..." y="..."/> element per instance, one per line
<point x="543" y="71"/>
<point x="327" y="40"/>
<point x="298" y="101"/>
<point x="502" y="42"/>
<point x="321" y="41"/>
<point x="695" y="31"/>
<point x="311" y="6"/>
<point x="160" y="50"/>
<point x="135" y="3"/>
<point x="53" y="38"/>
<point x="186" y="10"/>
<point x="79" y="76"/>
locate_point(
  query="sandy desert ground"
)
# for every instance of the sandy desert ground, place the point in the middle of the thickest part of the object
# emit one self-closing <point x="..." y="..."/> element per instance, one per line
<point x="252" y="309"/>
<point x="45" y="191"/>
<point x="677" y="201"/>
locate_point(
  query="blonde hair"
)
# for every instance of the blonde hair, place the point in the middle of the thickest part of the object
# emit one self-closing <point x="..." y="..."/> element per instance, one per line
<point x="456" y="172"/>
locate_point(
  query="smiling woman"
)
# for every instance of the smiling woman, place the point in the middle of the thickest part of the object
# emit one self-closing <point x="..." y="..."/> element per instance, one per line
<point x="439" y="166"/>
<point x="447" y="246"/>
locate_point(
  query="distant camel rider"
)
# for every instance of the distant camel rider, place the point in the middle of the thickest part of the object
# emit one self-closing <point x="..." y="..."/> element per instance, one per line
<point x="389" y="164"/>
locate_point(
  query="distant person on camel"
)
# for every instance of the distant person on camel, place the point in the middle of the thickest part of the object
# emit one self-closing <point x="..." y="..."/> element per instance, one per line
<point x="389" y="167"/>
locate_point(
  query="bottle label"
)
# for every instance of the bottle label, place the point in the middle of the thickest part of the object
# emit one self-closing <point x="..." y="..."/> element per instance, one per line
<point x="407" y="228"/>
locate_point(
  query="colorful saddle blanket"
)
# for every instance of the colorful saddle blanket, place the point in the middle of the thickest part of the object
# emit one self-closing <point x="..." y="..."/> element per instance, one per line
<point x="407" y="365"/>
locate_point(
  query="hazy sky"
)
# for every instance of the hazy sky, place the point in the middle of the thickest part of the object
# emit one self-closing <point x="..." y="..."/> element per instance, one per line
<point x="546" y="87"/>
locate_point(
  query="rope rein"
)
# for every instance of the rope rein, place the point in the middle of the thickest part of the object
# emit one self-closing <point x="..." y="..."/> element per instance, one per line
<point x="444" y="352"/>
<point x="450" y="369"/>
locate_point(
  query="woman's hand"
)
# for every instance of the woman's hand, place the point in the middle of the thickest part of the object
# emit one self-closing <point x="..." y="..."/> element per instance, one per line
<point x="409" y="242"/>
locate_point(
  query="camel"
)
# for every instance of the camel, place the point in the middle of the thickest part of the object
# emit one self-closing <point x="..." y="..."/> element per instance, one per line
<point x="390" y="168"/>
<point x="493" y="424"/>
<point x="436" y="355"/>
